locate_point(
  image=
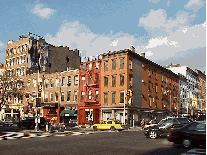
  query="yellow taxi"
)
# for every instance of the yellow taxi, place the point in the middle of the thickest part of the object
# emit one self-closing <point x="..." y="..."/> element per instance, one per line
<point x="109" y="125"/>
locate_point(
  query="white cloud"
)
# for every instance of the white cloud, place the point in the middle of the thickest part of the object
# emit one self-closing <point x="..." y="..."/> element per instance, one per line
<point x="195" y="5"/>
<point x="43" y="13"/>
<point x="2" y="46"/>
<point x="157" y="24"/>
<point x="168" y="3"/>
<point x="76" y="35"/>
<point x="148" y="54"/>
<point x="154" y="1"/>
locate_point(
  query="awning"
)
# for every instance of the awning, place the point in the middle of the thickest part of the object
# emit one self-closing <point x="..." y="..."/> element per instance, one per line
<point x="68" y="113"/>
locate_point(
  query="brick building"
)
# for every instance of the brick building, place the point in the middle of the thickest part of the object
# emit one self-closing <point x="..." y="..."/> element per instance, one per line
<point x="22" y="60"/>
<point x="155" y="89"/>
<point x="89" y="91"/>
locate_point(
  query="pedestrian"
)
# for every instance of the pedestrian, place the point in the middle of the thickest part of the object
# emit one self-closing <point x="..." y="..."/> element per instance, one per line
<point x="142" y="123"/>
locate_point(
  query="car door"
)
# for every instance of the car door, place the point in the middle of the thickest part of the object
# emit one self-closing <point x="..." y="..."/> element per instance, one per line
<point x="198" y="133"/>
<point x="109" y="124"/>
<point x="167" y="126"/>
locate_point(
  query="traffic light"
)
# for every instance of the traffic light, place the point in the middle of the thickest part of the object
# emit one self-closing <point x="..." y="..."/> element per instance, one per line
<point x="131" y="92"/>
<point x="128" y="93"/>
<point x="40" y="87"/>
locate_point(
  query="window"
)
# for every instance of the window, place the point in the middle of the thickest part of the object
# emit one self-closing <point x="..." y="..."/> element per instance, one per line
<point x="121" y="79"/>
<point x="130" y="64"/>
<point x="156" y="87"/>
<point x="68" y="96"/>
<point x="155" y="101"/>
<point x="97" y="65"/>
<point x="113" y="64"/>
<point x="148" y="71"/>
<point x="83" y="67"/>
<point x="150" y="102"/>
<point x="149" y="82"/>
<point x="121" y="97"/>
<point x="34" y="83"/>
<point x="82" y="95"/>
<point x="28" y="83"/>
<point x="75" y="95"/>
<point x="97" y="78"/>
<point x="90" y="66"/>
<point x="67" y="59"/>
<point x="57" y="82"/>
<point x="51" y="83"/>
<point x="113" y="94"/>
<point x="56" y="96"/>
<point x="106" y="81"/>
<point x="62" y="96"/>
<point x="63" y="81"/>
<point x="76" y="80"/>
<point x="69" y="80"/>
<point x="46" y="83"/>
<point x="46" y="96"/>
<point x="113" y="80"/>
<point x="97" y="94"/>
<point x="105" y="98"/>
<point x="89" y="94"/>
<point x="83" y="80"/>
<point x="155" y="74"/>
<point x="105" y="65"/>
<point x="130" y="79"/>
<point x="121" y="63"/>
<point x="51" y="96"/>
<point x="89" y="80"/>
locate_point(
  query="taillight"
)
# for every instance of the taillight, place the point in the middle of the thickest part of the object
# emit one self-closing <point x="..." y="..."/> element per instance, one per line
<point x="121" y="125"/>
<point x="170" y="133"/>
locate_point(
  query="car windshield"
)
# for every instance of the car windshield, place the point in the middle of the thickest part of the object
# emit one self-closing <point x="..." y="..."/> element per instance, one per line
<point x="104" y="122"/>
<point x="183" y="120"/>
<point x="161" y="122"/>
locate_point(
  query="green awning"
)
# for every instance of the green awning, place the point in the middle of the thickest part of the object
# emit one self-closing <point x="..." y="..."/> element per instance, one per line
<point x="68" y="113"/>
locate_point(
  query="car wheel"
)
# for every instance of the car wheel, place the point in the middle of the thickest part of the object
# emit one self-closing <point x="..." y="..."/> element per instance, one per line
<point x="113" y="128"/>
<point x="153" y="134"/>
<point x="95" y="128"/>
<point x="186" y="143"/>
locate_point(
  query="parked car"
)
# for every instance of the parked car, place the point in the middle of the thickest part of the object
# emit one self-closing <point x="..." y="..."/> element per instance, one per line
<point x="5" y="122"/>
<point x="193" y="134"/>
<point x="163" y="127"/>
<point x="29" y="123"/>
<point x="109" y="125"/>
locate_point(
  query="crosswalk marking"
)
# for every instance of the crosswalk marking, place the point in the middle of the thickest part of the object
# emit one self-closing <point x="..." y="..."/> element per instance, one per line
<point x="195" y="151"/>
<point x="17" y="135"/>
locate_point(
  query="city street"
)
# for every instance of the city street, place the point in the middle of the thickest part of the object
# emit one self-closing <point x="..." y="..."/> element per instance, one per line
<point x="126" y="142"/>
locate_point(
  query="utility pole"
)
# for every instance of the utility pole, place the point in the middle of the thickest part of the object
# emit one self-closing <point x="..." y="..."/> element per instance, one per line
<point x="124" y="109"/>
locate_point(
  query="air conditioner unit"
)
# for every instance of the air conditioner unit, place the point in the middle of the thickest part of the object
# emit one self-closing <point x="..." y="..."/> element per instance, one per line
<point x="142" y="65"/>
<point x="142" y="80"/>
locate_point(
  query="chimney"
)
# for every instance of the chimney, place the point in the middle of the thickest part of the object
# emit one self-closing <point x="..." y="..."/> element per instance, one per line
<point x="132" y="49"/>
<point x="143" y="55"/>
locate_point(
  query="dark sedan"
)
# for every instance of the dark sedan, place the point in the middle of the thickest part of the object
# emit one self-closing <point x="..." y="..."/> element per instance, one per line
<point x="193" y="134"/>
<point x="162" y="128"/>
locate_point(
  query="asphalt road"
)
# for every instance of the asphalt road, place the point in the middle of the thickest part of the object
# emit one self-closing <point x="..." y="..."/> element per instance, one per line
<point x="126" y="142"/>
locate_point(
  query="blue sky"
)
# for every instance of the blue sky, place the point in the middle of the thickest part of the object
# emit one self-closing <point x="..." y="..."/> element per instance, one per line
<point x="168" y="31"/>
